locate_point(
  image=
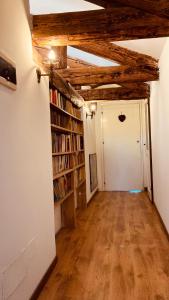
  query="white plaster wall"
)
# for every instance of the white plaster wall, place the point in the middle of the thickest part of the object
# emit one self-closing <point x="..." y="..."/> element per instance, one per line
<point x="90" y="148"/>
<point x="26" y="208"/>
<point x="160" y="136"/>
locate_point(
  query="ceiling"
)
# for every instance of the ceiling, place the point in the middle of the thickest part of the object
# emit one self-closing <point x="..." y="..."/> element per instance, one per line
<point x="90" y="58"/>
<point x="60" y="6"/>
<point x="152" y="47"/>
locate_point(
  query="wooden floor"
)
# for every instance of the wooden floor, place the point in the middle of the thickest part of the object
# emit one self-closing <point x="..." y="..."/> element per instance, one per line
<point x="119" y="251"/>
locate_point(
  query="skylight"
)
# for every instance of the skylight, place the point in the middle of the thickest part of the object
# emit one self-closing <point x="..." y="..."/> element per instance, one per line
<point x="90" y="58"/>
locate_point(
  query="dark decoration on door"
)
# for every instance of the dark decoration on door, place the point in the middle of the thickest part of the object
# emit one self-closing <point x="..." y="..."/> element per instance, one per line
<point x="122" y="117"/>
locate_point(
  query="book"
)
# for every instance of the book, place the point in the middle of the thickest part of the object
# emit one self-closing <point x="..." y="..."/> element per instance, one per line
<point x="62" y="186"/>
<point x="61" y="142"/>
<point x="61" y="163"/>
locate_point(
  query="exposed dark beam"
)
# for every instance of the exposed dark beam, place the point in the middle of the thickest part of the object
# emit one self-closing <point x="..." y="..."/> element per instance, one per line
<point x="101" y="3"/>
<point x="119" y="23"/>
<point x="61" y="55"/>
<point x="114" y="94"/>
<point x="117" y="53"/>
<point x="107" y="75"/>
<point x="156" y="7"/>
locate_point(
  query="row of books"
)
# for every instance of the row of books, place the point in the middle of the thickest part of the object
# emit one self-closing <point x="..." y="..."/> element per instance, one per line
<point x="62" y="186"/>
<point x="76" y="112"/>
<point x="61" y="163"/>
<point x="61" y="101"/>
<point x="80" y="175"/>
<point x="76" y="126"/>
<point x="61" y="142"/>
<point x="60" y="120"/>
<point x="79" y="158"/>
<point x="77" y="142"/>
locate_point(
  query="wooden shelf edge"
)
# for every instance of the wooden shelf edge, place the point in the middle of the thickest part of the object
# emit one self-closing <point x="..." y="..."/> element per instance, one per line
<point x="62" y="174"/>
<point x="63" y="199"/>
<point x="66" y="112"/>
<point x="79" y="166"/>
<point x="79" y="185"/>
<point x="62" y="153"/>
<point x="61" y="129"/>
<point x="76" y="132"/>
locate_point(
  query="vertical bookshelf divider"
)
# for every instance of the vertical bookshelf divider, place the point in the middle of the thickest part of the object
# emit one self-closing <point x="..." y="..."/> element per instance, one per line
<point x="67" y="156"/>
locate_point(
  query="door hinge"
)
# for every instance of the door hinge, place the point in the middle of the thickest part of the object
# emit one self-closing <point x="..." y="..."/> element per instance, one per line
<point x="103" y="143"/>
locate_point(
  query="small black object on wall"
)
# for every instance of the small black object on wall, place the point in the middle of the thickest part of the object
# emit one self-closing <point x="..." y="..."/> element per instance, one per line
<point x="7" y="72"/>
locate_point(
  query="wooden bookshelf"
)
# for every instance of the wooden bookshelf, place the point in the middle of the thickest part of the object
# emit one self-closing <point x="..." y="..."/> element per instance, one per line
<point x="67" y="156"/>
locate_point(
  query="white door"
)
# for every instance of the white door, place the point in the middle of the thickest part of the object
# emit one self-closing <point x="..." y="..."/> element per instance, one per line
<point x="147" y="168"/>
<point x="122" y="147"/>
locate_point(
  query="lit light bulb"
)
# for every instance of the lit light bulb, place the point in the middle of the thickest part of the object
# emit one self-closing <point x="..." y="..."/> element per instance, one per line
<point x="93" y="107"/>
<point x="52" y="55"/>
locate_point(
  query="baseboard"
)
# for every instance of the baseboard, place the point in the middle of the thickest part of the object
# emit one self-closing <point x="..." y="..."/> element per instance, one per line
<point x="161" y="221"/>
<point x="44" y="280"/>
<point x="94" y="194"/>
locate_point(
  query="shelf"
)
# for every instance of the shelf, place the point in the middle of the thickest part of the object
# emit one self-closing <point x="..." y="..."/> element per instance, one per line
<point x="60" y="129"/>
<point x="65" y="112"/>
<point x="83" y="181"/>
<point x="62" y="153"/>
<point x="63" y="199"/>
<point x="62" y="174"/>
<point x="76" y="132"/>
<point x="79" y="166"/>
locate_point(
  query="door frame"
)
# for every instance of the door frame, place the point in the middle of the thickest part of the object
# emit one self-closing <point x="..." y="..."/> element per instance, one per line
<point x="100" y="141"/>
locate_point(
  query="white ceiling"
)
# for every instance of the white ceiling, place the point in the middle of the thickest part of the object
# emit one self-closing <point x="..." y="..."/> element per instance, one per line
<point x="59" y="6"/>
<point x="151" y="47"/>
<point x="90" y="58"/>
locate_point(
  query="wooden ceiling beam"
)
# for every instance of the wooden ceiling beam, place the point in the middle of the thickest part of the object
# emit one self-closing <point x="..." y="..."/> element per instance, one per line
<point x="61" y="56"/>
<point x="119" y="23"/>
<point x="159" y="8"/>
<point x="102" y="3"/>
<point x="117" y="53"/>
<point x="114" y="94"/>
<point x="110" y="75"/>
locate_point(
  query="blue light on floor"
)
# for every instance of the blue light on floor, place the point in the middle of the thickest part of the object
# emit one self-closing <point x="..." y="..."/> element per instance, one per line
<point x="135" y="191"/>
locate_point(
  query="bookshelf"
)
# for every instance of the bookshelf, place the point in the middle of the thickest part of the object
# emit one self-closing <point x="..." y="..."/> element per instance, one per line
<point x="69" y="178"/>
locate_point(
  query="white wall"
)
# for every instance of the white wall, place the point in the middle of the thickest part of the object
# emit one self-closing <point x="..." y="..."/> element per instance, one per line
<point x="26" y="208"/>
<point x="160" y="136"/>
<point x="90" y="148"/>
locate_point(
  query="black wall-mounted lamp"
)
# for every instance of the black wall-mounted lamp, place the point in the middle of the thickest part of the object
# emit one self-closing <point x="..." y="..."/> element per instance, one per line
<point x="51" y="61"/>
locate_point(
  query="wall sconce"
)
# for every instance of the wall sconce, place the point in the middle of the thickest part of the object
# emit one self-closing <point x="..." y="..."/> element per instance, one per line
<point x="91" y="110"/>
<point x="51" y="61"/>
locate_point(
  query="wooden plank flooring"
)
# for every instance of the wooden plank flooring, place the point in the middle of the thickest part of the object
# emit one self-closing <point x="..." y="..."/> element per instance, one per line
<point x="118" y="251"/>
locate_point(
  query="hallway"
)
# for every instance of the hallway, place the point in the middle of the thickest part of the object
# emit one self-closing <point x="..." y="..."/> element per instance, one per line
<point x="119" y="251"/>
